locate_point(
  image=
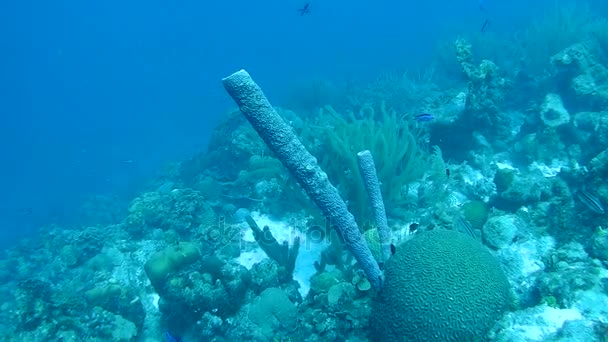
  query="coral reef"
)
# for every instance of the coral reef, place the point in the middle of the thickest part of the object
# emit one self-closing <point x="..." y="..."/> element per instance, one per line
<point x="585" y="77"/>
<point x="226" y="245"/>
<point x="302" y="165"/>
<point x="396" y="145"/>
<point x="168" y="261"/>
<point x="552" y="112"/>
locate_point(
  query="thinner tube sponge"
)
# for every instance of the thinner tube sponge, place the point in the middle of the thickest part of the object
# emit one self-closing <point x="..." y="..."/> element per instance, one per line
<point x="302" y="165"/>
<point x="367" y="168"/>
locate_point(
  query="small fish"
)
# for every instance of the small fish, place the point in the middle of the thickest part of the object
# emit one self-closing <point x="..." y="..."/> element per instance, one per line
<point x="425" y="117"/>
<point x="169" y="337"/>
<point x="447" y="173"/>
<point x="393" y="249"/>
<point x="305" y="9"/>
<point x="464" y="226"/>
<point x="127" y="161"/>
<point x="484" y="27"/>
<point x="25" y="212"/>
<point x="590" y="201"/>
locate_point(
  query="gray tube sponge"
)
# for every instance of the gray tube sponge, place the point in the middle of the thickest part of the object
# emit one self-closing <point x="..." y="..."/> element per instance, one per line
<point x="367" y="168"/>
<point x="302" y="165"/>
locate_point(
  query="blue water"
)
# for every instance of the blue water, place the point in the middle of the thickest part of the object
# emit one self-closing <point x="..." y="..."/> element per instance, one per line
<point x="97" y="95"/>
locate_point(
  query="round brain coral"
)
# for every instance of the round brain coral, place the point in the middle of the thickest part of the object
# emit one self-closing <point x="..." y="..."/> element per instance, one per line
<point x="440" y="286"/>
<point x="273" y="310"/>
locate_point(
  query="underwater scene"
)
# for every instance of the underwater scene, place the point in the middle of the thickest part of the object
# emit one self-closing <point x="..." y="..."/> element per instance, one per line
<point x="458" y="199"/>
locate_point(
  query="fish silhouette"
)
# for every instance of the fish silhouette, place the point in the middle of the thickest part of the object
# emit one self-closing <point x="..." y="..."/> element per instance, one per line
<point x="304" y="10"/>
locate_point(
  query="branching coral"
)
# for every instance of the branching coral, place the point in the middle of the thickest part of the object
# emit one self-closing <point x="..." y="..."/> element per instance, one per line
<point x="486" y="94"/>
<point x="284" y="255"/>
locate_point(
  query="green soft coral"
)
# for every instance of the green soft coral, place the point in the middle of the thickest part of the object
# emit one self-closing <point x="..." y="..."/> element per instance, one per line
<point x="392" y="141"/>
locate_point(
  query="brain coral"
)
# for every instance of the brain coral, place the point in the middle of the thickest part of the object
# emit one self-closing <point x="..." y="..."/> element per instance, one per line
<point x="272" y="311"/>
<point x="440" y="286"/>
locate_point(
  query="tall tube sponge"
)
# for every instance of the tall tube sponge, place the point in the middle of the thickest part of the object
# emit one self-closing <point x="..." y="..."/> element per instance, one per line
<point x="367" y="168"/>
<point x="302" y="165"/>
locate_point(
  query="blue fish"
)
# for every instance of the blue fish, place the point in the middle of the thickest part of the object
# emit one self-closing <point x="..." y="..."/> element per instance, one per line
<point x="424" y="117"/>
<point x="169" y="337"/>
